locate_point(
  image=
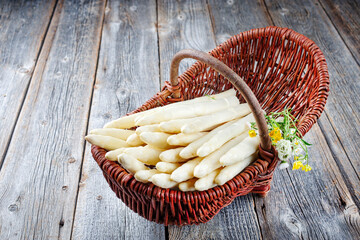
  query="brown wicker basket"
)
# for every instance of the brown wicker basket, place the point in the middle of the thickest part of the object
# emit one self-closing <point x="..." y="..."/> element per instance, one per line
<point x="282" y="68"/>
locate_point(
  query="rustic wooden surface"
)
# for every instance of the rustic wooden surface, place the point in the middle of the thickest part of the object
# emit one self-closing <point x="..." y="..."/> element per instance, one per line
<point x="70" y="66"/>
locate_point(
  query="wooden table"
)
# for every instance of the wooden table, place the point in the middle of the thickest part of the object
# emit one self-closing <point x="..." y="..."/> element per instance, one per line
<point x="67" y="67"/>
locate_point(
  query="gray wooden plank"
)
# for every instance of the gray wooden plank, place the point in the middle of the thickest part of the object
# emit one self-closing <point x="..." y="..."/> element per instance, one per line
<point x="233" y="17"/>
<point x="345" y="15"/>
<point x="187" y="24"/>
<point x="127" y="76"/>
<point x="299" y="205"/>
<point x="342" y="107"/>
<point x="39" y="179"/>
<point x="310" y="205"/>
<point x="23" y="25"/>
<point x="236" y="221"/>
<point x="182" y="24"/>
<point x="349" y="175"/>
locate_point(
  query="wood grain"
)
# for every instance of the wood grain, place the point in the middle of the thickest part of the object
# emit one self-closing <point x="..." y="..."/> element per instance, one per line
<point x="127" y="76"/>
<point x="345" y="16"/>
<point x="343" y="102"/>
<point x="39" y="179"/>
<point x="236" y="221"/>
<point x="23" y="25"/>
<point x="310" y="205"/>
<point x="234" y="17"/>
<point x="182" y="24"/>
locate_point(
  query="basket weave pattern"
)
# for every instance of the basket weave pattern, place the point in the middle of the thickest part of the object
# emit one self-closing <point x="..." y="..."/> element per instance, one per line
<point x="283" y="68"/>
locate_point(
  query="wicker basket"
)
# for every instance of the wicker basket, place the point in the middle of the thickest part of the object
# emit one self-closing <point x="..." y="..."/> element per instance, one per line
<point x="282" y="69"/>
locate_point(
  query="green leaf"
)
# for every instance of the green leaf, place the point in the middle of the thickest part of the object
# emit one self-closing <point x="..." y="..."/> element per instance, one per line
<point x="306" y="143"/>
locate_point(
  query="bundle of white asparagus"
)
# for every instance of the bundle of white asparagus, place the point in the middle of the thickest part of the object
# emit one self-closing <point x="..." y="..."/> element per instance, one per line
<point x="190" y="145"/>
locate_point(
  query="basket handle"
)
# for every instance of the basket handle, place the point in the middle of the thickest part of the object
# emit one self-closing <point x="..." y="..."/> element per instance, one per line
<point x="235" y="79"/>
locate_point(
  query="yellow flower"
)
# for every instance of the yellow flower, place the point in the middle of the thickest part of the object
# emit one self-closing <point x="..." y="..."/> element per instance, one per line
<point x="277" y="138"/>
<point x="296" y="157"/>
<point x="275" y="135"/>
<point x="271" y="134"/>
<point x="252" y="133"/>
<point x="306" y="168"/>
<point x="297" y="165"/>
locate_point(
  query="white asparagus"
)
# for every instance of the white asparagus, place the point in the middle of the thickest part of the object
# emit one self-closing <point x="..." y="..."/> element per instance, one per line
<point x="126" y="121"/>
<point x="172" y="155"/>
<point x="241" y="151"/>
<point x="130" y="163"/>
<point x="231" y="171"/>
<point x="175" y="125"/>
<point x="219" y="139"/>
<point x="113" y="155"/>
<point x="225" y="94"/>
<point x="207" y="181"/>
<point x="145" y="154"/>
<point x="129" y="121"/>
<point x="186" y="171"/>
<point x="156" y="139"/>
<point x="134" y="140"/>
<point x="189" y="185"/>
<point x="183" y="139"/>
<point x="167" y="167"/>
<point x="209" y="122"/>
<point x="145" y="175"/>
<point x="211" y="162"/>
<point x="163" y="180"/>
<point x="106" y="142"/>
<point x="148" y="128"/>
<point x="188" y="111"/>
<point x="190" y="150"/>
<point x="113" y="132"/>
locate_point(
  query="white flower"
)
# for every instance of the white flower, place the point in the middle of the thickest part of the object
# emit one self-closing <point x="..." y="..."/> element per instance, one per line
<point x="298" y="151"/>
<point x="284" y="148"/>
<point x="292" y="131"/>
<point x="280" y="119"/>
<point x="283" y="157"/>
<point x="284" y="165"/>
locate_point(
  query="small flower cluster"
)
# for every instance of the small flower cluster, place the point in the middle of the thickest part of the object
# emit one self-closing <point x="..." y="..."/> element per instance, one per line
<point x="287" y="140"/>
<point x="275" y="135"/>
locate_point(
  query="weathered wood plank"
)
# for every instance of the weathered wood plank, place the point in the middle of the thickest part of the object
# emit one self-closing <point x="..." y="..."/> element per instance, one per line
<point x="23" y="25"/>
<point x="187" y="24"/>
<point x="39" y="179"/>
<point x="127" y="76"/>
<point x="310" y="205"/>
<point x="236" y="221"/>
<point x="233" y="17"/>
<point x="345" y="15"/>
<point x="181" y="25"/>
<point x="342" y="108"/>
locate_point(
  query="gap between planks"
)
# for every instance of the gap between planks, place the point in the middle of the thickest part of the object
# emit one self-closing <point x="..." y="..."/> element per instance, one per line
<point x="338" y="31"/>
<point x="39" y="58"/>
<point x="88" y="115"/>
<point x="160" y="80"/>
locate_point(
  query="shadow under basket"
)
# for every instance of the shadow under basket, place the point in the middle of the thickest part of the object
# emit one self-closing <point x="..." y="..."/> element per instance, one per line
<point x="280" y="69"/>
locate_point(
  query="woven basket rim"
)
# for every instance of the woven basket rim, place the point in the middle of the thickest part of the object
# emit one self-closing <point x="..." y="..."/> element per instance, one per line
<point x="163" y="98"/>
